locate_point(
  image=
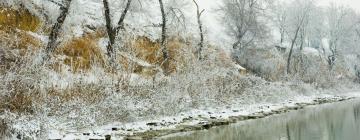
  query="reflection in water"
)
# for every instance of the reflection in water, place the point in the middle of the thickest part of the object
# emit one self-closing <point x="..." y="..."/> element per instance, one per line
<point x="339" y="121"/>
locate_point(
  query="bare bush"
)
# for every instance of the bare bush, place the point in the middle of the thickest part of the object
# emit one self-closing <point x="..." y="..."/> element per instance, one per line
<point x="311" y="68"/>
<point x="265" y="62"/>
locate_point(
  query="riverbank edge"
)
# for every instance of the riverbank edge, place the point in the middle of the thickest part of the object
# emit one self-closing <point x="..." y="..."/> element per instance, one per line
<point x="213" y="121"/>
<point x="197" y="120"/>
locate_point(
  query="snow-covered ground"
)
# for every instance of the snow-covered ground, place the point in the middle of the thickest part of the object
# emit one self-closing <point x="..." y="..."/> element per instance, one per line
<point x="195" y="117"/>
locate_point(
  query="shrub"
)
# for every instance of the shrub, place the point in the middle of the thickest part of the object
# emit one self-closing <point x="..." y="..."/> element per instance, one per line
<point x="265" y="62"/>
<point x="311" y="68"/>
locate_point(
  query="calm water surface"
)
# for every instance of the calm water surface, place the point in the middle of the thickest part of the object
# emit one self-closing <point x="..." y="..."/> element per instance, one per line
<point x="337" y="121"/>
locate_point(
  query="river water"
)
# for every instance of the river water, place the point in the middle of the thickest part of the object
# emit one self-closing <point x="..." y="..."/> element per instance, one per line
<point x="336" y="121"/>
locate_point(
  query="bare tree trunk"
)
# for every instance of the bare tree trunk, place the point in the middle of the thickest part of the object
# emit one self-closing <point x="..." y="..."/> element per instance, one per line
<point x="292" y="49"/>
<point x="282" y="32"/>
<point x="112" y="32"/>
<point x="332" y="58"/>
<point x="55" y="31"/>
<point x="357" y="73"/>
<point x="293" y="42"/>
<point x="302" y="37"/>
<point x="121" y="25"/>
<point x="163" y="34"/>
<point x="201" y="44"/>
<point x="110" y="29"/>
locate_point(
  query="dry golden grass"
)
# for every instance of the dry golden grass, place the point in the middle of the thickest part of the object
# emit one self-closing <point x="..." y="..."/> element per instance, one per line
<point x="20" y="40"/>
<point x="20" y="19"/>
<point x="89" y="94"/>
<point x="147" y="50"/>
<point x="20" y="101"/>
<point x="15" y="46"/>
<point x="14" y="25"/>
<point x="150" y="51"/>
<point x="82" y="52"/>
<point x="132" y="66"/>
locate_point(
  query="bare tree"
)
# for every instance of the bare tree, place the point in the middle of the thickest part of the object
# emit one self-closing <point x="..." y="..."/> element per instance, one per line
<point x="300" y="18"/>
<point x="163" y="31"/>
<point x="282" y="28"/>
<point x="340" y="25"/>
<point x="113" y="31"/>
<point x="292" y="46"/>
<point x="56" y="29"/>
<point x="242" y="21"/>
<point x="279" y="18"/>
<point x="176" y="19"/>
<point x="201" y="43"/>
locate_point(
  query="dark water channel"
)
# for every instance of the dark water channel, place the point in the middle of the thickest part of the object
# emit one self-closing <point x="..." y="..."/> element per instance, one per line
<point x="336" y="121"/>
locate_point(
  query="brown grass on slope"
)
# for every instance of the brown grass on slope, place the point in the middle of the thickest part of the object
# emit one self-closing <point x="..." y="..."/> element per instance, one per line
<point x="20" y="19"/>
<point x="82" y="52"/>
<point x="150" y="51"/>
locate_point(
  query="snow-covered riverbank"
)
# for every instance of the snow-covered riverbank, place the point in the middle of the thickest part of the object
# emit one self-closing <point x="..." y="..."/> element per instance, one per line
<point x="197" y="119"/>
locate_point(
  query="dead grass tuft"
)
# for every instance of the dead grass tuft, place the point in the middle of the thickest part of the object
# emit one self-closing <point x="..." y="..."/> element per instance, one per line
<point x="15" y="39"/>
<point x="24" y="99"/>
<point x="18" y="102"/>
<point x="82" y="52"/>
<point x="20" y="40"/>
<point x="149" y="51"/>
<point x="87" y="92"/>
<point x="19" y="99"/>
<point x="15" y="46"/>
<point x="18" y="19"/>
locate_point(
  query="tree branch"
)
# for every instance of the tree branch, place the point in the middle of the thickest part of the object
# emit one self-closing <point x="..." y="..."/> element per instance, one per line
<point x="58" y="4"/>
<point x="123" y="15"/>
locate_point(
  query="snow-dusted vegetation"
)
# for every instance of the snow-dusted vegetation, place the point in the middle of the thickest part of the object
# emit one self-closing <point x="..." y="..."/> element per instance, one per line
<point x="70" y="65"/>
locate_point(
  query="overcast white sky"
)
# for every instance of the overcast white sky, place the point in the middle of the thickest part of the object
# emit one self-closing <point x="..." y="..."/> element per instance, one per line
<point x="352" y="3"/>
